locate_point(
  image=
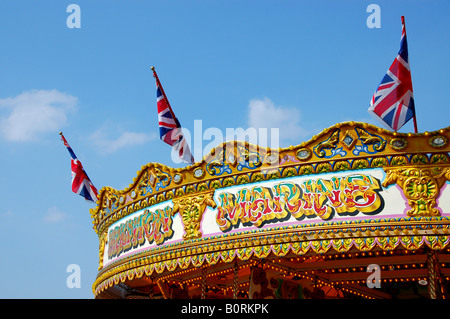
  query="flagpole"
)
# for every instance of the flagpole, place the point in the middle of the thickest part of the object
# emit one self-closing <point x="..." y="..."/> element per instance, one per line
<point x="162" y="91"/>
<point x="63" y="138"/>
<point x="415" y="123"/>
<point x="66" y="144"/>
<point x="404" y="30"/>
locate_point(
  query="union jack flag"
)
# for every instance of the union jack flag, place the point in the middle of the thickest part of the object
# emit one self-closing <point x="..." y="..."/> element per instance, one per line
<point x="169" y="126"/>
<point x="81" y="184"/>
<point x="393" y="101"/>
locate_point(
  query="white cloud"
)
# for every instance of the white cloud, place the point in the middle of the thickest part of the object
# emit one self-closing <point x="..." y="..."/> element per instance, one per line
<point x="263" y="113"/>
<point x="32" y="113"/>
<point x="109" y="145"/>
<point x="54" y="215"/>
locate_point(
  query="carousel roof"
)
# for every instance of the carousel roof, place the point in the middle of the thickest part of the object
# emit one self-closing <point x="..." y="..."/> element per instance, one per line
<point x="353" y="194"/>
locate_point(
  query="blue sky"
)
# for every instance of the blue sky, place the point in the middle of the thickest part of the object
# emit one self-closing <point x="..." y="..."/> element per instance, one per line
<point x="230" y="64"/>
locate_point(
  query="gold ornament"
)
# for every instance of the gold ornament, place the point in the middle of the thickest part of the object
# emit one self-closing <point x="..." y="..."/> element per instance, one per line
<point x="102" y="243"/>
<point x="191" y="209"/>
<point x="329" y="143"/>
<point x="421" y="187"/>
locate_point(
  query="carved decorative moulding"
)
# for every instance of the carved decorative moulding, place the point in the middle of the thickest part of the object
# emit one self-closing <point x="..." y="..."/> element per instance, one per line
<point x="191" y="209"/>
<point x="341" y="147"/>
<point x="398" y="143"/>
<point x="421" y="186"/>
<point x="351" y="187"/>
<point x="438" y="141"/>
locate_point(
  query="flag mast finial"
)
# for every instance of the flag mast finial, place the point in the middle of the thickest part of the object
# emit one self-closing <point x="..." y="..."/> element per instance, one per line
<point x="162" y="90"/>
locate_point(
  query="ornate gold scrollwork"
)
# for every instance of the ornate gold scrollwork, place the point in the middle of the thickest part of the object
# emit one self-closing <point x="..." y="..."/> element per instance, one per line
<point x="367" y="138"/>
<point x="191" y="209"/>
<point x="214" y="166"/>
<point x="103" y="240"/>
<point x="329" y="143"/>
<point x="421" y="187"/>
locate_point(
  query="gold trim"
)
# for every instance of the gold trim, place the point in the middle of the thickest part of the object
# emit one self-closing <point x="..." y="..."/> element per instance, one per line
<point x="155" y="179"/>
<point x="349" y="139"/>
<point x="303" y="151"/>
<point x="438" y="141"/>
<point x="398" y="143"/>
<point x="330" y="143"/>
<point x="421" y="186"/>
<point x="417" y="166"/>
<point x="387" y="235"/>
<point x="191" y="209"/>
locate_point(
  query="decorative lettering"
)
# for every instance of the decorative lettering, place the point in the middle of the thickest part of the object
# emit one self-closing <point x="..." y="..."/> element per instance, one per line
<point x="153" y="227"/>
<point x="344" y="196"/>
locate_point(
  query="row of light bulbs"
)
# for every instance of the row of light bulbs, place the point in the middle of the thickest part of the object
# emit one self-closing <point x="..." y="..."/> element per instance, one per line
<point x="305" y="275"/>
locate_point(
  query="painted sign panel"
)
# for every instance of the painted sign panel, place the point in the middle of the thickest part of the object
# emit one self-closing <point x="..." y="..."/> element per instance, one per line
<point x="151" y="226"/>
<point x="324" y="198"/>
<point x="308" y="199"/>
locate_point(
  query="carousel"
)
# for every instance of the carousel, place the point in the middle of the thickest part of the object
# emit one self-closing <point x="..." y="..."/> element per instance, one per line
<point x="357" y="212"/>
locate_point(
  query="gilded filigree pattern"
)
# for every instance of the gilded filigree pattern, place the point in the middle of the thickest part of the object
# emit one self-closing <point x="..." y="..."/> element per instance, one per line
<point x="421" y="187"/>
<point x="418" y="163"/>
<point x="329" y="144"/>
<point x="156" y="182"/>
<point x="388" y="235"/>
<point x="191" y="209"/>
<point x="102" y="243"/>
